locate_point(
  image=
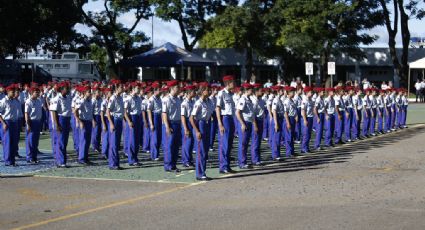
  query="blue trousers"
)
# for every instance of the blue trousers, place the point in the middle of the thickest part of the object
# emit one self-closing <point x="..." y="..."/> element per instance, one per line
<point x="105" y="139"/>
<point x="349" y="123"/>
<point x="171" y="147"/>
<point x="305" y="145"/>
<point x="125" y="131"/>
<point x="404" y="115"/>
<point x="372" y="121"/>
<point x="380" y="115"/>
<point x="202" y="147"/>
<point x="319" y="130"/>
<point x="225" y="142"/>
<point x="75" y="133"/>
<point x="61" y="140"/>
<point x="276" y="137"/>
<point x="290" y="137"/>
<point x="399" y="116"/>
<point x="134" y="139"/>
<point x="366" y="123"/>
<point x="388" y="118"/>
<point x="10" y="143"/>
<point x="393" y="116"/>
<point x="339" y="126"/>
<point x="271" y="130"/>
<point x="213" y="129"/>
<point x="156" y="135"/>
<point x="330" y="128"/>
<point x="84" y="142"/>
<point x="32" y="140"/>
<point x="187" y="144"/>
<point x="256" y="141"/>
<point x="298" y="128"/>
<point x="114" y="143"/>
<point x="244" y="137"/>
<point x="96" y="133"/>
<point x="357" y="120"/>
<point x="146" y="138"/>
<point x="265" y="128"/>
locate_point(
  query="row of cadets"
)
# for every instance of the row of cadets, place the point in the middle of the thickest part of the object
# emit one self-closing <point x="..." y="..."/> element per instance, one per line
<point x="115" y="114"/>
<point x="97" y="125"/>
<point x="146" y="127"/>
<point x="277" y="124"/>
<point x="307" y="114"/>
<point x="319" y="112"/>
<point x="260" y="111"/>
<point x="105" y="122"/>
<point x="200" y="119"/>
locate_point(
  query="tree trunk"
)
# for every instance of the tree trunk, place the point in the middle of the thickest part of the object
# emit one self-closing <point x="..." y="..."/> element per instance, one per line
<point x="249" y="62"/>
<point x="405" y="36"/>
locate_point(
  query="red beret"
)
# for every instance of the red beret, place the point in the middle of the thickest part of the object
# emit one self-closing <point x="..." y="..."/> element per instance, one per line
<point x="107" y="90"/>
<point x="339" y="88"/>
<point x="33" y="88"/>
<point x="148" y="89"/>
<point x="330" y="89"/>
<point x="172" y="83"/>
<point x="289" y="88"/>
<point x="164" y="89"/>
<point x="11" y="87"/>
<point x="228" y="78"/>
<point x="256" y="86"/>
<point x="247" y="86"/>
<point x="155" y="85"/>
<point x="203" y="84"/>
<point x="190" y="87"/>
<point x="308" y="89"/>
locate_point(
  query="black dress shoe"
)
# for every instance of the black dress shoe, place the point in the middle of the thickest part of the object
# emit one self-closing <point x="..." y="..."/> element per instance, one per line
<point x="224" y="172"/>
<point x="137" y="164"/>
<point x="62" y="166"/>
<point x="204" y="178"/>
<point x="177" y="170"/>
<point x="19" y="156"/>
<point x="187" y="165"/>
<point x="33" y="162"/>
<point x="115" y="168"/>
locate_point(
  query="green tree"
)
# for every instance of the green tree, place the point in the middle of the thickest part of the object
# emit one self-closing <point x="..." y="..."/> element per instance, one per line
<point x="26" y="23"/>
<point x="401" y="14"/>
<point x="191" y="16"/>
<point x="327" y="28"/>
<point x="118" y="40"/>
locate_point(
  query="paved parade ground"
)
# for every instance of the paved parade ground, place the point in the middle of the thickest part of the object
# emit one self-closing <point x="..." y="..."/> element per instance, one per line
<point x="377" y="183"/>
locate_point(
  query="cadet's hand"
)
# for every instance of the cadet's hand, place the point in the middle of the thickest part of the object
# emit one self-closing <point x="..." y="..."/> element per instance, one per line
<point x="318" y="120"/>
<point x="146" y="126"/>
<point x="5" y="127"/>
<point x="198" y="136"/>
<point x="169" y="131"/>
<point x="28" y="128"/>
<point x="186" y="133"/>
<point x="222" y="129"/>
<point x="58" y="128"/>
<point x="81" y="125"/>
<point x="255" y="129"/>
<point x="112" y="127"/>
<point x="104" y="128"/>
<point x="327" y="117"/>
<point x="305" y="123"/>
<point x="94" y="124"/>
<point x="276" y="128"/>
<point x="339" y="117"/>
<point x="152" y="128"/>
<point x="243" y="127"/>
<point x="347" y="114"/>
<point x="131" y="124"/>
<point x="288" y="125"/>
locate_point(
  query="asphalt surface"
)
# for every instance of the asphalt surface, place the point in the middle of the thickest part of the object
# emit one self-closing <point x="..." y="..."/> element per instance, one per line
<point x="374" y="184"/>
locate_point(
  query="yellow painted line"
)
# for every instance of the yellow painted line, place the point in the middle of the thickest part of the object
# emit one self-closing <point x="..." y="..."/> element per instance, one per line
<point x="111" y="205"/>
<point x="111" y="179"/>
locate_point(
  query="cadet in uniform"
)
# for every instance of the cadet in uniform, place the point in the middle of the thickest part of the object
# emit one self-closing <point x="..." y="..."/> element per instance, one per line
<point x="61" y="110"/>
<point x="115" y="114"/>
<point x="84" y="118"/>
<point x="277" y="124"/>
<point x="146" y="128"/>
<point x="319" y="112"/>
<point x="348" y="101"/>
<point x="187" y="135"/>
<point x="97" y="125"/>
<point x="330" y="117"/>
<point x="380" y="111"/>
<point x="105" y="122"/>
<point x="340" y="115"/>
<point x="357" y="118"/>
<point x="245" y="116"/>
<point x="373" y="111"/>
<point x="307" y="107"/>
<point x="171" y="119"/>
<point x="258" y="127"/>
<point x="33" y="115"/>
<point x="291" y="118"/>
<point x="154" y="115"/>
<point x="9" y="120"/>
<point x="133" y="115"/>
<point x="225" y="111"/>
<point x="366" y="113"/>
<point x="200" y="119"/>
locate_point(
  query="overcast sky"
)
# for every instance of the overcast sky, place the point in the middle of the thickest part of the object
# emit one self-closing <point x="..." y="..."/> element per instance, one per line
<point x="170" y="32"/>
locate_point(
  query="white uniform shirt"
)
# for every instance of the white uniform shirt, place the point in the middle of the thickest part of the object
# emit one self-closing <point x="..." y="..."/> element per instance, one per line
<point x="172" y="107"/>
<point x="259" y="107"/>
<point x="330" y="105"/>
<point x="34" y="108"/>
<point x="319" y="103"/>
<point x="155" y="104"/>
<point x="186" y="107"/>
<point x="116" y="106"/>
<point x="133" y="105"/>
<point x="340" y="103"/>
<point x="225" y="102"/>
<point x="246" y="107"/>
<point x="202" y="110"/>
<point x="277" y="106"/>
<point x="307" y="105"/>
<point x="97" y="104"/>
<point x="85" y="109"/>
<point x="8" y="109"/>
<point x="290" y="107"/>
<point x="62" y="105"/>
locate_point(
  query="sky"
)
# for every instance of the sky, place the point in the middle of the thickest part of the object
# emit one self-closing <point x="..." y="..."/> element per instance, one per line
<point x="170" y="32"/>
